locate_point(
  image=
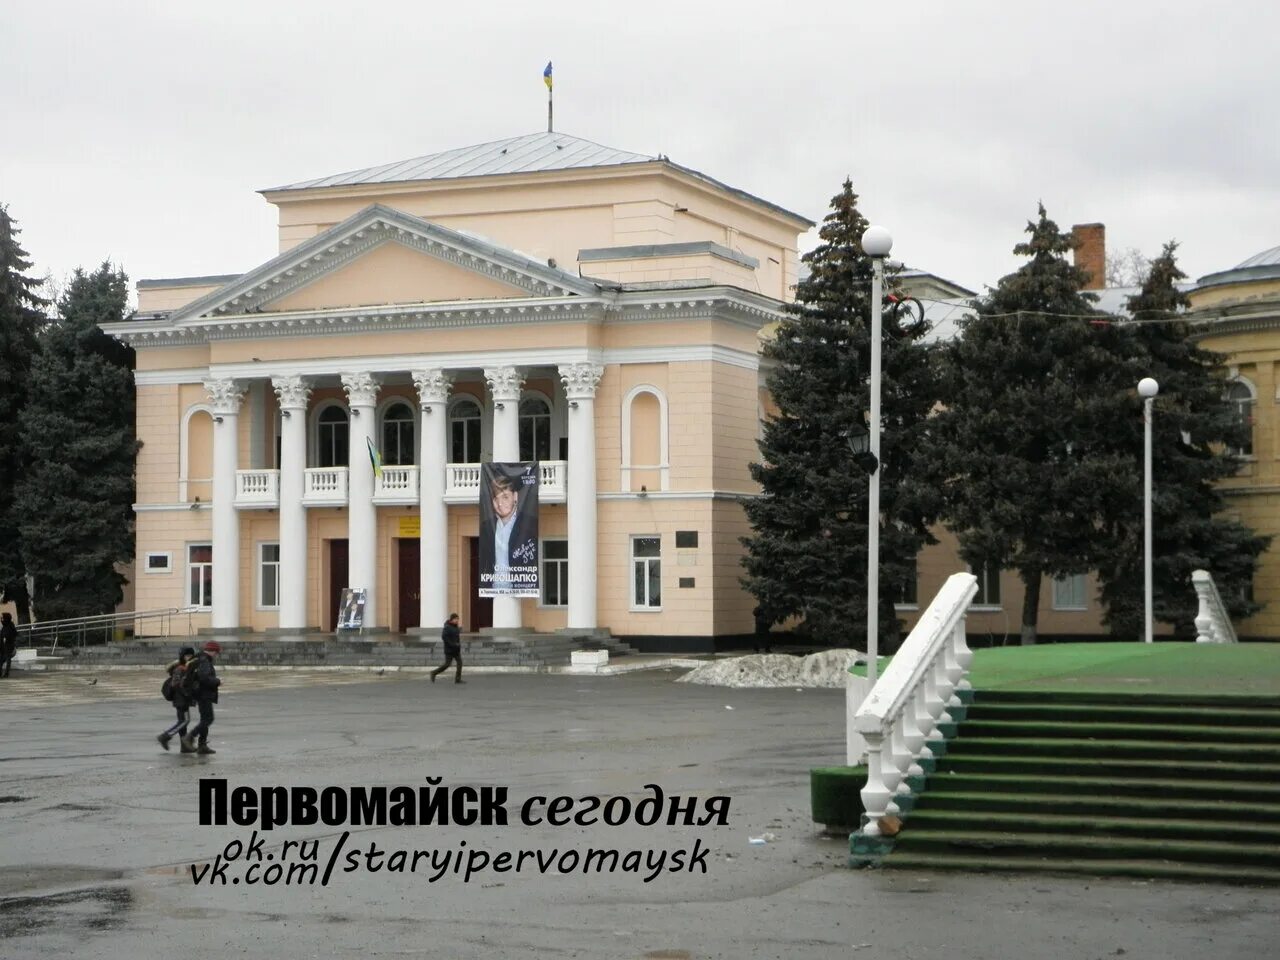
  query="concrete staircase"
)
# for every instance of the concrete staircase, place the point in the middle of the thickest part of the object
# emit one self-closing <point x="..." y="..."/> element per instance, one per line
<point x="532" y="651"/>
<point x="1140" y="785"/>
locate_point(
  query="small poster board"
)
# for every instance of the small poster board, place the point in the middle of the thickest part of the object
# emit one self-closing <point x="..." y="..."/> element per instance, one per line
<point x="351" y="609"/>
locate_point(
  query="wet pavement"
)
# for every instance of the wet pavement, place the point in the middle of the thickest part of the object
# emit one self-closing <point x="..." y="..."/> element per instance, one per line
<point x="101" y="827"/>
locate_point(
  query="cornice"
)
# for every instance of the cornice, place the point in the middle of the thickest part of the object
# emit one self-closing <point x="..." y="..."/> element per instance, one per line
<point x="1225" y="322"/>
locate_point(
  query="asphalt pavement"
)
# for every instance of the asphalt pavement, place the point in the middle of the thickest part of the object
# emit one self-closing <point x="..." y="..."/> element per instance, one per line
<point x="101" y="832"/>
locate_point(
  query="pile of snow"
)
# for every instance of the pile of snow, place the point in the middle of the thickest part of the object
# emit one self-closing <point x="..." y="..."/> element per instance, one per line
<point x="828" y="668"/>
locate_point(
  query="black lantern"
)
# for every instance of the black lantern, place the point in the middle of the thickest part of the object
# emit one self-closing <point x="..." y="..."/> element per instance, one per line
<point x="859" y="441"/>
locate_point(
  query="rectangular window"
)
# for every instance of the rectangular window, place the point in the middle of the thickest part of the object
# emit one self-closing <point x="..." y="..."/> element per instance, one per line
<point x="1068" y="593"/>
<point x="555" y="573"/>
<point x="200" y="575"/>
<point x="988" y="586"/>
<point x="159" y="562"/>
<point x="686" y="539"/>
<point x="909" y="594"/>
<point x="269" y="575"/>
<point x="646" y="567"/>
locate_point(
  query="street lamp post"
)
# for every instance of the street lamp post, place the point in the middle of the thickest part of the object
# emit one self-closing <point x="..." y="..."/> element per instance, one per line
<point x="876" y="244"/>
<point x="1147" y="389"/>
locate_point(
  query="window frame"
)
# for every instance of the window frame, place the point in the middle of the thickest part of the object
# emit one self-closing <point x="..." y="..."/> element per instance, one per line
<point x="1244" y="409"/>
<point x="411" y="435"/>
<point x="982" y="600"/>
<point x="635" y="605"/>
<point x="168" y="562"/>
<point x="466" y="400"/>
<point x="192" y="566"/>
<point x="1056" y="602"/>
<point x="562" y="581"/>
<point x="260" y="568"/>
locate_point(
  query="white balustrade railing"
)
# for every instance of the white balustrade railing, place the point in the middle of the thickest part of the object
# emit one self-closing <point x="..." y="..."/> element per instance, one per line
<point x="900" y="716"/>
<point x="325" y="486"/>
<point x="1213" y="623"/>
<point x="462" y="482"/>
<point x="396" y="485"/>
<point x="257" y="488"/>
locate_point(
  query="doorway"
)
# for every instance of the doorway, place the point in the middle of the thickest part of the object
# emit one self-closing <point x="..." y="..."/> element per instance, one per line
<point x="337" y="581"/>
<point x="481" y="607"/>
<point x="410" y="612"/>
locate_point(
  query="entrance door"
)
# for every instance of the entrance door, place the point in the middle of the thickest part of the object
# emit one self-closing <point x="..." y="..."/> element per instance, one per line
<point x="337" y="580"/>
<point x="481" y="607"/>
<point x="410" y="611"/>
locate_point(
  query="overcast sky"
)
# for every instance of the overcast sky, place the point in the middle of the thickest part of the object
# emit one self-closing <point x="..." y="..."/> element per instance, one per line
<point x="140" y="131"/>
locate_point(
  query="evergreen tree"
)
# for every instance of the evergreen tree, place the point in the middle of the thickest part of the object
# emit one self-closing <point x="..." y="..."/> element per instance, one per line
<point x="1193" y="430"/>
<point x="1034" y="385"/>
<point x="807" y="556"/>
<point x="21" y="317"/>
<point x="76" y="499"/>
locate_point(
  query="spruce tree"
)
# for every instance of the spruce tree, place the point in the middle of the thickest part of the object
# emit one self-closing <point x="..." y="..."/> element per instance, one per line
<point x="807" y="555"/>
<point x="21" y="318"/>
<point x="76" y="498"/>
<point x="1034" y="385"/>
<point x="1193" y="431"/>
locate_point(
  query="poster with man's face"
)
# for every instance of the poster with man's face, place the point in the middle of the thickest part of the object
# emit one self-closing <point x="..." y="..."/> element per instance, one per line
<point x="508" y="530"/>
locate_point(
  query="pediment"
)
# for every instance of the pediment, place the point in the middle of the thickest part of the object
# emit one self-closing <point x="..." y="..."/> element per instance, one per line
<point x="411" y="256"/>
<point x="392" y="273"/>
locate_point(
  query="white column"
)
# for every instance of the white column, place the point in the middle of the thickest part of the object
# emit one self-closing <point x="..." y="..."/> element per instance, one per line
<point x="580" y="381"/>
<point x="293" y="393"/>
<point x="504" y="387"/>
<point x="226" y="396"/>
<point x="433" y="559"/>
<point x="362" y="515"/>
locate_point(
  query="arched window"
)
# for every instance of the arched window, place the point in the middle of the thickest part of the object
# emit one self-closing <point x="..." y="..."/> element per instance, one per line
<point x="464" y="431"/>
<point x="1240" y="396"/>
<point x="535" y="429"/>
<point x="397" y="435"/>
<point x="332" y="444"/>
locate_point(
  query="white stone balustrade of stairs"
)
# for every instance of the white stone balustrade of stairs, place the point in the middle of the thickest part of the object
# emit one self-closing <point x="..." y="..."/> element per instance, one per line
<point x="1213" y="623"/>
<point x="900" y="716"/>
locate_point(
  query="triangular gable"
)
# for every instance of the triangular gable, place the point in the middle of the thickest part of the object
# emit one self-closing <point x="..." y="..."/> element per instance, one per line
<point x="261" y="289"/>
<point x="393" y="273"/>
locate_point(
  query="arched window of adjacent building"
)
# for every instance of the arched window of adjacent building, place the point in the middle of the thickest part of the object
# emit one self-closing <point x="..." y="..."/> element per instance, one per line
<point x="332" y="439"/>
<point x="1240" y="395"/>
<point x="535" y="429"/>
<point x="644" y="439"/>
<point x="398" y="426"/>
<point x="464" y="431"/>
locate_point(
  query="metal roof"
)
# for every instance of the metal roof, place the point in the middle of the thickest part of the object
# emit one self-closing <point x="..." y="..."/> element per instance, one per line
<point x="532" y="153"/>
<point x="528" y="154"/>
<point x="1266" y="258"/>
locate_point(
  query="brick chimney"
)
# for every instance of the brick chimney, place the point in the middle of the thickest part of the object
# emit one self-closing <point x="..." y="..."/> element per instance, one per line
<point x="1091" y="253"/>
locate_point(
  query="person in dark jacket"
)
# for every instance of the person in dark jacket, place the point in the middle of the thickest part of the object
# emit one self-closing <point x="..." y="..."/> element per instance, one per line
<point x="177" y="671"/>
<point x="204" y="688"/>
<point x="8" y="643"/>
<point x="452" y="638"/>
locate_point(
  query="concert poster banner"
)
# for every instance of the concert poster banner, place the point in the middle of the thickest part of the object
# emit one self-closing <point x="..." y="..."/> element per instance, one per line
<point x="508" y="530"/>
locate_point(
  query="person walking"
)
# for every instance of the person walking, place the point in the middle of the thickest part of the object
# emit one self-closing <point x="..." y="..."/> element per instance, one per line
<point x="204" y="683"/>
<point x="452" y="638"/>
<point x="8" y="642"/>
<point x="177" y="671"/>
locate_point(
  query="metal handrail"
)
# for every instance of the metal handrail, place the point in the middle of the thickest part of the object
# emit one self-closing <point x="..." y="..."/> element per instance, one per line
<point x="82" y="628"/>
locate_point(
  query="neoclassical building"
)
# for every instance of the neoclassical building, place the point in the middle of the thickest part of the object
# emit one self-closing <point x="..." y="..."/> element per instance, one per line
<point x="537" y="298"/>
<point x="1237" y="312"/>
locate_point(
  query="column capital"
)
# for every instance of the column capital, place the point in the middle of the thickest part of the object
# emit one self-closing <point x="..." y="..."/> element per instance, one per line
<point x="504" y="383"/>
<point x="362" y="389"/>
<point x="292" y="392"/>
<point x="433" y="386"/>
<point x="225" y="395"/>
<point x="581" y="380"/>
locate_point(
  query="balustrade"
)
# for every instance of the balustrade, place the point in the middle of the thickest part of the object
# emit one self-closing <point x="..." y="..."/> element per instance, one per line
<point x="257" y="488"/>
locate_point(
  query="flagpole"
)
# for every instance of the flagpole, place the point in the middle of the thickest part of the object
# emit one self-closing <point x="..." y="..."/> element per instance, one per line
<point x="548" y="110"/>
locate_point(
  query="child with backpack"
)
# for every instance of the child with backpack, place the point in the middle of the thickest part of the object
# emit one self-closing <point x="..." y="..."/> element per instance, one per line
<point x="175" y="689"/>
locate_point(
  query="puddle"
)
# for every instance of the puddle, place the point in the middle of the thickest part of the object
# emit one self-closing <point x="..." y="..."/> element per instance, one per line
<point x="87" y="909"/>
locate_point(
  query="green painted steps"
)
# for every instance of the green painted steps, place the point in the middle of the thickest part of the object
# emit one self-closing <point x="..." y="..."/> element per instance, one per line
<point x="1122" y="784"/>
<point x="1114" y="867"/>
<point x="1075" y="804"/>
<point x="1127" y="713"/>
<point x="965" y="745"/>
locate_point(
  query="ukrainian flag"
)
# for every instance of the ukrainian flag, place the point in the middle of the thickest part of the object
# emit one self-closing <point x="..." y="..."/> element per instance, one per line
<point x="546" y="75"/>
<point x="375" y="458"/>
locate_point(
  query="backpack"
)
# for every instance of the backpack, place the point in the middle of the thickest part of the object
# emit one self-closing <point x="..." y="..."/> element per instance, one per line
<point x="176" y="680"/>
